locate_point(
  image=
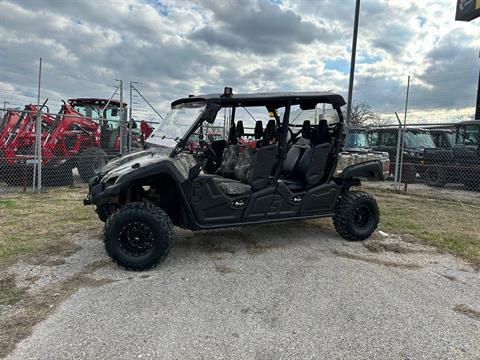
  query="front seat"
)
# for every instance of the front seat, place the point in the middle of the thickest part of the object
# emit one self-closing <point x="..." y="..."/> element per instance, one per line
<point x="297" y="149"/>
<point x="311" y="167"/>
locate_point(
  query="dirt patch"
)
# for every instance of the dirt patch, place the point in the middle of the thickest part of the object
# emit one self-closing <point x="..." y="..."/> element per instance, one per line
<point x="253" y="247"/>
<point x="377" y="246"/>
<point x="468" y="311"/>
<point x="219" y="244"/>
<point x="373" y="260"/>
<point x="206" y="242"/>
<point x="9" y="292"/>
<point x="223" y="269"/>
<point x="395" y="245"/>
<point x="18" y="324"/>
<point x="53" y="254"/>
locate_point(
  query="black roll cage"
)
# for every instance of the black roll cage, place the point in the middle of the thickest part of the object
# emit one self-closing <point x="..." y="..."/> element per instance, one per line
<point x="215" y="104"/>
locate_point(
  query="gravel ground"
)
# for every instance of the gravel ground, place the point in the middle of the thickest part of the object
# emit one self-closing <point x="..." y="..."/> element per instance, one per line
<point x="283" y="291"/>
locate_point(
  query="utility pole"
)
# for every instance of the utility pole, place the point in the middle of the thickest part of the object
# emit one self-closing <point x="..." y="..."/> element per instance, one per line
<point x="5" y="107"/>
<point x="123" y="129"/>
<point x="403" y="132"/>
<point x="352" y="63"/>
<point x="477" y="108"/>
<point x="130" y="119"/>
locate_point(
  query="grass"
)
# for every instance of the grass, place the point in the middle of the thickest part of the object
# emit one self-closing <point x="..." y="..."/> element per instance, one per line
<point x="450" y="226"/>
<point x="32" y="225"/>
<point x="9" y="292"/>
<point x="36" y="224"/>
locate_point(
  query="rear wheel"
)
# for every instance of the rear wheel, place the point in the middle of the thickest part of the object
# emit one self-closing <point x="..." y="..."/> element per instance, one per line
<point x="90" y="162"/>
<point x="138" y="236"/>
<point x="356" y="215"/>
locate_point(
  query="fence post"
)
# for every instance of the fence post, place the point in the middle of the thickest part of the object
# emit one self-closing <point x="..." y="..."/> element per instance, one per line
<point x="396" y="184"/>
<point x="38" y="133"/>
<point x="404" y="125"/>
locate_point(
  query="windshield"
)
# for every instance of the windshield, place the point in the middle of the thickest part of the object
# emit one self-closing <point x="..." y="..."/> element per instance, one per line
<point x="111" y="113"/>
<point x="176" y="124"/>
<point x="357" y="140"/>
<point x="472" y="135"/>
<point x="418" y="140"/>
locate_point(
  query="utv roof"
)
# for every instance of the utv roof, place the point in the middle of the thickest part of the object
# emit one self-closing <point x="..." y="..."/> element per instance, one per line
<point x="274" y="98"/>
<point x="96" y="101"/>
<point x="395" y="128"/>
<point x="470" y="122"/>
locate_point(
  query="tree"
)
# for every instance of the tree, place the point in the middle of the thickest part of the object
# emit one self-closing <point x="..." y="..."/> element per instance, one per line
<point x="362" y="115"/>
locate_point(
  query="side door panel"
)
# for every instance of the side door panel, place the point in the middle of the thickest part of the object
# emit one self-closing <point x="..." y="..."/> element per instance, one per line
<point x="320" y="199"/>
<point x="211" y="206"/>
<point x="260" y="204"/>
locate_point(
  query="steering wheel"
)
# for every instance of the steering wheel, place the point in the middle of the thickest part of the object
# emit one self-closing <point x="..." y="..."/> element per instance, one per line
<point x="293" y="136"/>
<point x="208" y="151"/>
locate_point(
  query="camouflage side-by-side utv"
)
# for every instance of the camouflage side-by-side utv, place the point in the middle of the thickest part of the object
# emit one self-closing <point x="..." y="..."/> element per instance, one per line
<point x="288" y="171"/>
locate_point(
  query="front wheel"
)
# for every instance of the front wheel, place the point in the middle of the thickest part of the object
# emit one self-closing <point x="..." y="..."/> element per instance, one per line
<point x="138" y="236"/>
<point x="91" y="162"/>
<point x="356" y="215"/>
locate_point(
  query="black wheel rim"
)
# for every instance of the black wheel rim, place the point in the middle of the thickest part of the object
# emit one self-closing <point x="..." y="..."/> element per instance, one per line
<point x="362" y="216"/>
<point x="136" y="238"/>
<point x="98" y="164"/>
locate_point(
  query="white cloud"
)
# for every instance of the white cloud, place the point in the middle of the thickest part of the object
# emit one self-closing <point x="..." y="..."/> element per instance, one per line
<point x="177" y="48"/>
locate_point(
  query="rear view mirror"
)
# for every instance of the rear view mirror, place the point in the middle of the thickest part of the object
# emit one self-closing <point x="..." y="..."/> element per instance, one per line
<point x="211" y="113"/>
<point x="115" y="111"/>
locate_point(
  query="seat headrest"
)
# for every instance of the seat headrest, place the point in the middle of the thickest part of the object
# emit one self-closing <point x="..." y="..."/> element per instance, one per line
<point x="270" y="132"/>
<point x="232" y="134"/>
<point x="306" y="129"/>
<point x="240" y="130"/>
<point x="321" y="133"/>
<point x="258" y="130"/>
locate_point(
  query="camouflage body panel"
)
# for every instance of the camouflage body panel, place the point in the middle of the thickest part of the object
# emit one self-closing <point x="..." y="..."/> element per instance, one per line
<point x="183" y="163"/>
<point x="229" y="159"/>
<point x="232" y="187"/>
<point x="244" y="164"/>
<point x="349" y="158"/>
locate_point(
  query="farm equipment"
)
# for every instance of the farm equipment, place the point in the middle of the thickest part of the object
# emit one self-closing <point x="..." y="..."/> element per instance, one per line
<point x="83" y="135"/>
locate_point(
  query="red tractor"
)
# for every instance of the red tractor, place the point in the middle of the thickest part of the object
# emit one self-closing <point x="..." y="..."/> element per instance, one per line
<point x="9" y="120"/>
<point x="83" y="135"/>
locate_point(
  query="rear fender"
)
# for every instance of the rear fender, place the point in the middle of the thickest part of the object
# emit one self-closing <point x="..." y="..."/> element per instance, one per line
<point x="371" y="169"/>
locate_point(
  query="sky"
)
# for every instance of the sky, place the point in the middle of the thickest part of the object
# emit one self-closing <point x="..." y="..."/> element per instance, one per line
<point x="176" y="48"/>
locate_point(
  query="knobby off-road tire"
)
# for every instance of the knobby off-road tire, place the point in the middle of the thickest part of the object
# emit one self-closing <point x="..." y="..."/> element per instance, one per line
<point x="138" y="236"/>
<point x="90" y="162"/>
<point x="356" y="215"/>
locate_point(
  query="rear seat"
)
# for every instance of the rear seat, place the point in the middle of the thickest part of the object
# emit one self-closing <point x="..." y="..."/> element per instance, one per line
<point x="252" y="168"/>
<point x="310" y="167"/>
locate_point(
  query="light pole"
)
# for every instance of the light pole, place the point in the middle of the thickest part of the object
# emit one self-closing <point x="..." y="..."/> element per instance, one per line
<point x="352" y="63"/>
<point x="477" y="107"/>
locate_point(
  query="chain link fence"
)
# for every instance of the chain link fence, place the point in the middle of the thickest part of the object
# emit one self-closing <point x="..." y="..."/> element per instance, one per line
<point x="438" y="155"/>
<point x="39" y="149"/>
<point x="74" y="146"/>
